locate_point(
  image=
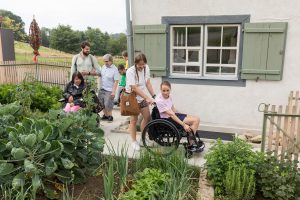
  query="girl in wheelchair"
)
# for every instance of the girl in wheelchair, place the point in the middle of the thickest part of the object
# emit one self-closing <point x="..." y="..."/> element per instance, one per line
<point x="189" y="123"/>
<point x="73" y="93"/>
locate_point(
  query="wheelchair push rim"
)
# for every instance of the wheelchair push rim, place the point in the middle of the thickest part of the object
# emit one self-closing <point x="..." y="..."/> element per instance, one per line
<point x="160" y="137"/>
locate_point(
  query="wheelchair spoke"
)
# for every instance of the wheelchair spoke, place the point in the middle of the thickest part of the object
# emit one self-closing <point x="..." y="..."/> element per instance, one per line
<point x="160" y="137"/>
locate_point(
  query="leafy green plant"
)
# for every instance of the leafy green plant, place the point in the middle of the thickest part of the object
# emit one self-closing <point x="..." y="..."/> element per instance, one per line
<point x="121" y="159"/>
<point x="32" y="95"/>
<point x="176" y="165"/>
<point x="149" y="185"/>
<point x="108" y="179"/>
<point x="220" y="157"/>
<point x="239" y="183"/>
<point x="65" y="146"/>
<point x="279" y="180"/>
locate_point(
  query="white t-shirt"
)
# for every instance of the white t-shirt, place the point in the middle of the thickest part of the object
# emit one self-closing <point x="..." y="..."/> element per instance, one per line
<point x="140" y="80"/>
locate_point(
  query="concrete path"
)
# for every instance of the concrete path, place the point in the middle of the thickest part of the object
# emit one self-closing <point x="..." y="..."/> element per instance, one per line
<point x="118" y="139"/>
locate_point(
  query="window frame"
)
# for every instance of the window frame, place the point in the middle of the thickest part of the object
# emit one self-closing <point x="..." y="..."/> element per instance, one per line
<point x="200" y="48"/>
<point x="205" y="20"/>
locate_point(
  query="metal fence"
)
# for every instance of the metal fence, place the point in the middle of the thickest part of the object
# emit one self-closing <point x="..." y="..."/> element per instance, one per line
<point x="48" y="73"/>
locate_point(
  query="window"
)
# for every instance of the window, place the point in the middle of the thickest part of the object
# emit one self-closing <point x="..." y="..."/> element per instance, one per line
<point x="205" y="51"/>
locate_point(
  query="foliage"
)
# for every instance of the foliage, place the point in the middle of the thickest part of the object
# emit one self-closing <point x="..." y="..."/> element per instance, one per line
<point x="64" y="38"/>
<point x="31" y="94"/>
<point x="121" y="161"/>
<point x="108" y="179"/>
<point x="45" y="37"/>
<point x="177" y="166"/>
<point x="65" y="146"/>
<point x="16" y="23"/>
<point x="149" y="185"/>
<point x="239" y="183"/>
<point x="279" y="180"/>
<point x="220" y="157"/>
<point x="117" y="44"/>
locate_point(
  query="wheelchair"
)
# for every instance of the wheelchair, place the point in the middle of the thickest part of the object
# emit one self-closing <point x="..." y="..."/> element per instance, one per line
<point x="163" y="136"/>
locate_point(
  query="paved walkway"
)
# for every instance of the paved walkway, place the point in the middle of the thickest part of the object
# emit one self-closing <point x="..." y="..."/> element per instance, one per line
<point x="119" y="139"/>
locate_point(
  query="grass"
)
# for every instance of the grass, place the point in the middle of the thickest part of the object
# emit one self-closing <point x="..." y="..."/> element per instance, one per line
<point x="24" y="52"/>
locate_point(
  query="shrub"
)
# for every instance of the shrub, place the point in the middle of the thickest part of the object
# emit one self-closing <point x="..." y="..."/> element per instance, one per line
<point x="239" y="183"/>
<point x="33" y="94"/>
<point x="149" y="185"/>
<point x="279" y="180"/>
<point x="220" y="157"/>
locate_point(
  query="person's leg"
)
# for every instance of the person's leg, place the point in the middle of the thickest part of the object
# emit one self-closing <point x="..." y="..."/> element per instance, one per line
<point x="75" y="108"/>
<point x="132" y="127"/>
<point x="67" y="107"/>
<point x="193" y="122"/>
<point x="101" y="96"/>
<point x="109" y="104"/>
<point x="146" y="117"/>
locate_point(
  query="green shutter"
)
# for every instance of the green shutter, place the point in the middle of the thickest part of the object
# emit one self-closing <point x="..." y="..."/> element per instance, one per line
<point x="263" y="50"/>
<point x="151" y="40"/>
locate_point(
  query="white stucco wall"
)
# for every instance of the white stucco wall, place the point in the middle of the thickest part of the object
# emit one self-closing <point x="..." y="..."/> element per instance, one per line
<point x="227" y="106"/>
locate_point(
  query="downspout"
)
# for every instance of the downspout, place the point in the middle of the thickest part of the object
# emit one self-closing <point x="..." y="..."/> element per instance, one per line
<point x="129" y="34"/>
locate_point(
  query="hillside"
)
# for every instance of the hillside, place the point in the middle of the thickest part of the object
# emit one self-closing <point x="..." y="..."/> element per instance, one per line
<point x="24" y="53"/>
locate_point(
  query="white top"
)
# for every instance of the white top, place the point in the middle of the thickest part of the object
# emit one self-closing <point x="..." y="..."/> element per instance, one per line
<point x="108" y="77"/>
<point x="132" y="79"/>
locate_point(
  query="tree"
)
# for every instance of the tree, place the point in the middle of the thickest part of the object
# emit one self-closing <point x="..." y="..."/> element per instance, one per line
<point x="96" y="39"/>
<point x="65" y="39"/>
<point x="15" y="23"/>
<point x="117" y="44"/>
<point x="45" y="36"/>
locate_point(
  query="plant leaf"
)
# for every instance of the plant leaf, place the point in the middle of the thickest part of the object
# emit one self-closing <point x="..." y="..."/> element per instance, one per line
<point x="6" y="168"/>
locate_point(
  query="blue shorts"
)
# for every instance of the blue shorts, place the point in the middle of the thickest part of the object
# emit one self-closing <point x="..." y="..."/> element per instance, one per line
<point x="181" y="116"/>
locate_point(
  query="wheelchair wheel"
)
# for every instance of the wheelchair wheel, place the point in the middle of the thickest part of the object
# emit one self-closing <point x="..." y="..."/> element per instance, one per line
<point x="160" y="137"/>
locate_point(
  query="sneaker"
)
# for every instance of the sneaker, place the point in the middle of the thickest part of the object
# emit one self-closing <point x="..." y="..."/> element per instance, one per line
<point x="135" y="145"/>
<point x="110" y="118"/>
<point x="104" y="117"/>
<point x="196" y="148"/>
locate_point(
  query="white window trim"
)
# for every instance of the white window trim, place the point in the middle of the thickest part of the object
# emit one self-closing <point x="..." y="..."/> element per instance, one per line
<point x="202" y="57"/>
<point x="200" y="48"/>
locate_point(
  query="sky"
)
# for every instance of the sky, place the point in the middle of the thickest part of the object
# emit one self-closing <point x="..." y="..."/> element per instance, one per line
<point x="107" y="15"/>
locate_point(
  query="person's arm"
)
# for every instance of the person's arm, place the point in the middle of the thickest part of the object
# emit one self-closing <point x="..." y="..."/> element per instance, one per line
<point x="173" y="109"/>
<point x="113" y="93"/>
<point x="97" y="69"/>
<point x="176" y="119"/>
<point x="150" y="88"/>
<point x="67" y="95"/>
<point x="140" y="92"/>
<point x="73" y="68"/>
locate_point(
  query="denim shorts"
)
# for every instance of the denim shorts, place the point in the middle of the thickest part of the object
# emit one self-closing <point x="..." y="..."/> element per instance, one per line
<point x="143" y="104"/>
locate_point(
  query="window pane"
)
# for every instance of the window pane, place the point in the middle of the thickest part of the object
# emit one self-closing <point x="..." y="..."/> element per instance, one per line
<point x="178" y="69"/>
<point x="179" y="56"/>
<point x="212" y="70"/>
<point x="193" y="56"/>
<point x="194" y="35"/>
<point x="228" y="56"/>
<point x="228" y="70"/>
<point x="213" y="56"/>
<point x="214" y="36"/>
<point x="179" y="36"/>
<point x="192" y="69"/>
<point x="230" y="36"/>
